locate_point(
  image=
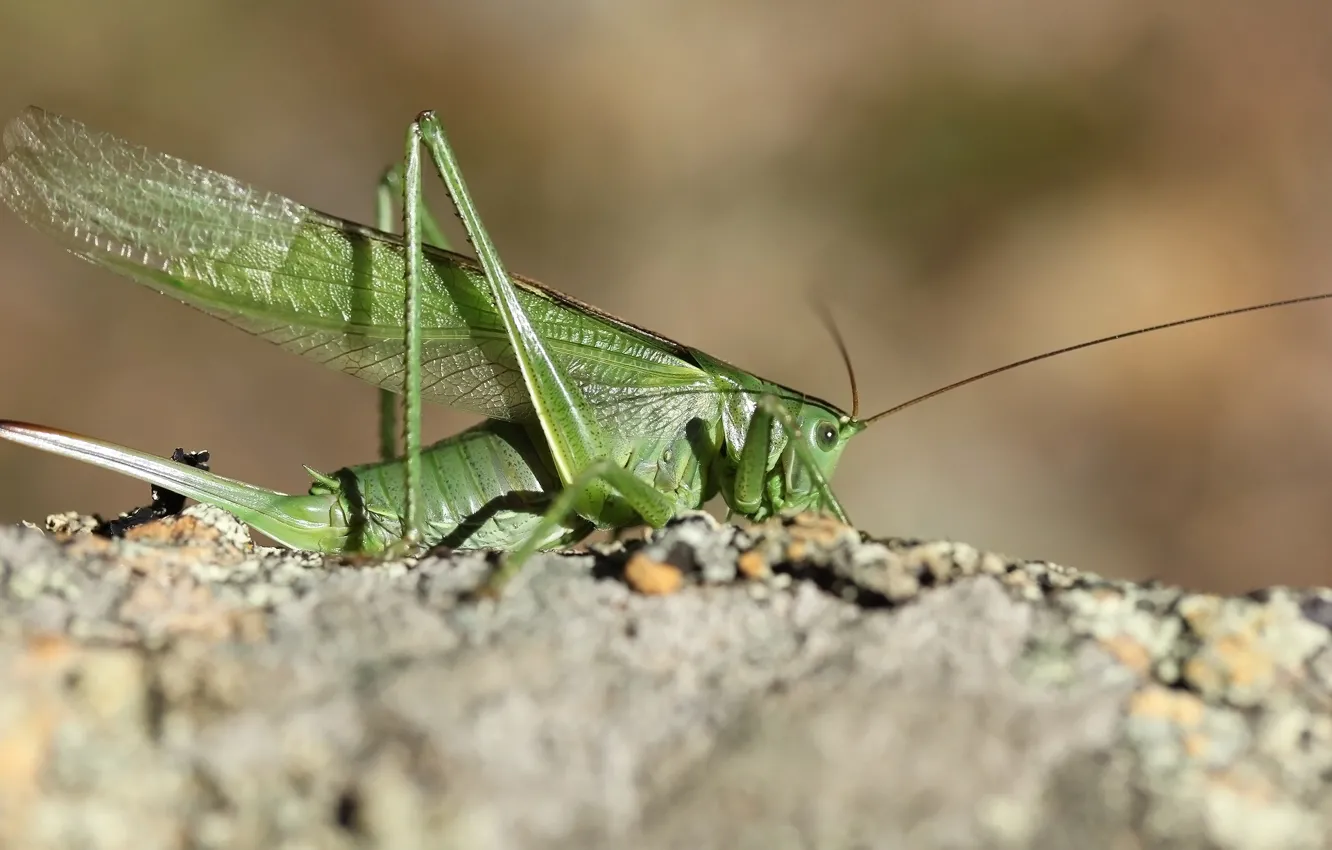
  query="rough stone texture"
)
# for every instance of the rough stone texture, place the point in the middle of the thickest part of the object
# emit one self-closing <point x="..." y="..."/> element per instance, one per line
<point x="790" y="685"/>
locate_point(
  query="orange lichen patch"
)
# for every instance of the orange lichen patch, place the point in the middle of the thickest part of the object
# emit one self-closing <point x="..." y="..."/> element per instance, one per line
<point x="86" y="544"/>
<point x="1196" y="744"/>
<point x="817" y="528"/>
<point x="35" y="704"/>
<point x="811" y="528"/>
<point x="1230" y="661"/>
<point x="166" y="545"/>
<point x="22" y="745"/>
<point x="174" y="530"/>
<point x="1203" y="676"/>
<point x="249" y="625"/>
<point x="1247" y="664"/>
<point x="1247" y="784"/>
<point x="1177" y="707"/>
<point x="48" y="648"/>
<point x="159" y="548"/>
<point x="795" y="550"/>
<point x="650" y="577"/>
<point x="1201" y="612"/>
<point x="183" y="530"/>
<point x="24" y="741"/>
<point x="752" y="565"/>
<point x="1129" y="652"/>
<point x="185" y="607"/>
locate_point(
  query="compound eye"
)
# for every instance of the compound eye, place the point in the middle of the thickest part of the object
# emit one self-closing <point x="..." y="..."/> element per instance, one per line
<point x="825" y="435"/>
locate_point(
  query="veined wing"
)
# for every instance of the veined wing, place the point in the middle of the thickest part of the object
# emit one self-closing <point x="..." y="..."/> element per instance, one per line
<point x="326" y="288"/>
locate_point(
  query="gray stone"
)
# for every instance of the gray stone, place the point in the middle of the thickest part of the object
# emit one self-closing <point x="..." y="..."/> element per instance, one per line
<point x="802" y="686"/>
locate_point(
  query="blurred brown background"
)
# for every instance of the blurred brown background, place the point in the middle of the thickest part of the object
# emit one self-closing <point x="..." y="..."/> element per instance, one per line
<point x="966" y="182"/>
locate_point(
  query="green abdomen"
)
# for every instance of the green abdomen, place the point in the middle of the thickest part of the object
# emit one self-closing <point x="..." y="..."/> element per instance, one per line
<point x="484" y="488"/>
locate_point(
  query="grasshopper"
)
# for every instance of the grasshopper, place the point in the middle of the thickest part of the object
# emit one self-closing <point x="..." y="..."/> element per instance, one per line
<point x="592" y="422"/>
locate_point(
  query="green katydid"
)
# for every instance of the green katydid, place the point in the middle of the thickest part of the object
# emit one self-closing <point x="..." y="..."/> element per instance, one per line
<point x="592" y="421"/>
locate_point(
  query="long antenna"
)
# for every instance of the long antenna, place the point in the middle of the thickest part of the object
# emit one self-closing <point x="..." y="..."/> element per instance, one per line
<point x="826" y="317"/>
<point x="1303" y="299"/>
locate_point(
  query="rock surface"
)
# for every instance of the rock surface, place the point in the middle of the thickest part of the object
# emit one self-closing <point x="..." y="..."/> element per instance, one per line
<point x="790" y="685"/>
